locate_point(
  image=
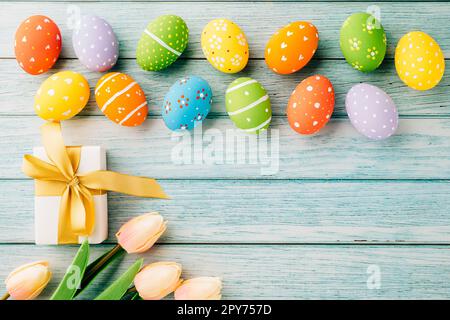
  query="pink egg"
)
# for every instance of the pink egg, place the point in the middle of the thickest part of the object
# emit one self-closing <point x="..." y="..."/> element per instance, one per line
<point x="371" y="111"/>
<point x="95" y="44"/>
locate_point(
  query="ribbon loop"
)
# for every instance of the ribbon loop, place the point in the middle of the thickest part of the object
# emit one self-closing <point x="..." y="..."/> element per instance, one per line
<point x="59" y="177"/>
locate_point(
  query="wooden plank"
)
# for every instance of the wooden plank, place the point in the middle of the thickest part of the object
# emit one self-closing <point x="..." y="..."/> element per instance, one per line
<point x="279" y="272"/>
<point x="286" y="211"/>
<point x="419" y="150"/>
<point x="409" y="102"/>
<point x="258" y="1"/>
<point x="259" y="20"/>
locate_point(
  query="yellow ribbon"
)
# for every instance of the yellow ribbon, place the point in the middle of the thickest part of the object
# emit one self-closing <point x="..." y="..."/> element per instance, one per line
<point x="59" y="178"/>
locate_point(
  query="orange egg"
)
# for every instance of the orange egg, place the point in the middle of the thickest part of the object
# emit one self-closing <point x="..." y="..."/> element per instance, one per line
<point x="121" y="99"/>
<point x="311" y="105"/>
<point x="292" y="47"/>
<point x="37" y="44"/>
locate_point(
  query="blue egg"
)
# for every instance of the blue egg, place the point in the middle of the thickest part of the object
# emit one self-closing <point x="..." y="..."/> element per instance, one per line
<point x="187" y="103"/>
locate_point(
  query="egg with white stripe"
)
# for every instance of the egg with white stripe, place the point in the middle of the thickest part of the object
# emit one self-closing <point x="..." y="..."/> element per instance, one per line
<point x="95" y="43"/>
<point x="121" y="99"/>
<point x="187" y="103"/>
<point x="162" y="42"/>
<point x="248" y="105"/>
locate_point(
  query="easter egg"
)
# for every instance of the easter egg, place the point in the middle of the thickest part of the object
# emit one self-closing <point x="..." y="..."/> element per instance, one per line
<point x="95" y="44"/>
<point x="61" y="96"/>
<point x="225" y="46"/>
<point x="363" y="41"/>
<point x="248" y="105"/>
<point x="187" y="103"/>
<point x="37" y="44"/>
<point x="162" y="42"/>
<point x="121" y="99"/>
<point x="371" y="111"/>
<point x="419" y="61"/>
<point x="311" y="105"/>
<point x="291" y="47"/>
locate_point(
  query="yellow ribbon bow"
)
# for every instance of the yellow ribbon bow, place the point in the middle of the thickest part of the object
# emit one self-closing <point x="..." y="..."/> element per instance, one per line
<point x="60" y="178"/>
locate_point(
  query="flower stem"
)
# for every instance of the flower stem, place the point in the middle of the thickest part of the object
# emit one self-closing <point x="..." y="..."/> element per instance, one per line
<point x="5" y="296"/>
<point x="98" y="266"/>
<point x="131" y="290"/>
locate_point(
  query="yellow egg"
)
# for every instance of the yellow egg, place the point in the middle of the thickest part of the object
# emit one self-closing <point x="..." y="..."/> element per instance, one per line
<point x="61" y="96"/>
<point x="419" y="61"/>
<point x="225" y="45"/>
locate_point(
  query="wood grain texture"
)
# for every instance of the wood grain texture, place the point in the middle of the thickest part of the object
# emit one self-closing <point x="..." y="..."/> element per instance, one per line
<point x="259" y="20"/>
<point x="419" y="150"/>
<point x="274" y="272"/>
<point x="409" y="102"/>
<point x="212" y="1"/>
<point x="309" y="230"/>
<point x="209" y="211"/>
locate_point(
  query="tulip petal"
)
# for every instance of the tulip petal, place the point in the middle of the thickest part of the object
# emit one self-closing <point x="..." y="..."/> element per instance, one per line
<point x="27" y="281"/>
<point x="157" y="280"/>
<point x="140" y="233"/>
<point x="202" y="288"/>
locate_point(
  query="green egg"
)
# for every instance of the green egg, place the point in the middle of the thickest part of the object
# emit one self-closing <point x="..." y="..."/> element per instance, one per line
<point x="248" y="105"/>
<point x="363" y="41"/>
<point x="162" y="42"/>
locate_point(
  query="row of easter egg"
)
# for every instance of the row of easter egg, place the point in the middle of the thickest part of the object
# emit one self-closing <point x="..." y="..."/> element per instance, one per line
<point x="122" y="100"/>
<point x="419" y="60"/>
<point x="188" y="102"/>
<point x="371" y="111"/>
<point x="38" y="43"/>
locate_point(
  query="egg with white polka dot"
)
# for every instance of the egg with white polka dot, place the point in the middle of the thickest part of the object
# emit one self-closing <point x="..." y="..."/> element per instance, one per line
<point x="371" y="111"/>
<point x="95" y="43"/>
<point x="311" y="105"/>
<point x="61" y="96"/>
<point x="187" y="103"/>
<point x="419" y="61"/>
<point x="121" y="99"/>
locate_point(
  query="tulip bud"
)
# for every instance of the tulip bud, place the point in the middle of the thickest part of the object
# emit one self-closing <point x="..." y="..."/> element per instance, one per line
<point x="202" y="288"/>
<point x="27" y="282"/>
<point x="140" y="233"/>
<point x="157" y="280"/>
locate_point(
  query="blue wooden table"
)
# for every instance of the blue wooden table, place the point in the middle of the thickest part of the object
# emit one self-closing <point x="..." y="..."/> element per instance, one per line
<point x="339" y="216"/>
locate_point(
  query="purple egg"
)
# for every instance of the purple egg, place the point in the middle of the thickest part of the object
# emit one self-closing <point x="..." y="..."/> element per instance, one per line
<point x="371" y="111"/>
<point x="95" y="44"/>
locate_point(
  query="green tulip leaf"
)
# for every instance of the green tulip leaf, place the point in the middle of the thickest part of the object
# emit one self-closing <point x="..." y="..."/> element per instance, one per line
<point x="72" y="279"/>
<point x="97" y="266"/>
<point x="119" y="287"/>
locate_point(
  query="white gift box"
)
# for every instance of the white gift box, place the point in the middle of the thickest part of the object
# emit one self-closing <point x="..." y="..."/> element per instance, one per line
<point x="46" y="208"/>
